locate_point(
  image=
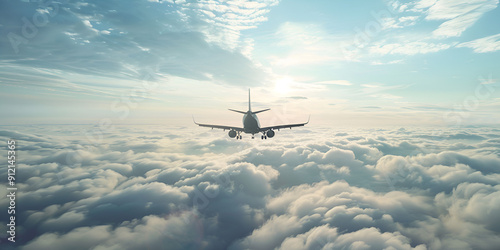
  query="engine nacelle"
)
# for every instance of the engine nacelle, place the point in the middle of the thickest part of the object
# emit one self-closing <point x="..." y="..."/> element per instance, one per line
<point x="232" y="133"/>
<point x="270" y="133"/>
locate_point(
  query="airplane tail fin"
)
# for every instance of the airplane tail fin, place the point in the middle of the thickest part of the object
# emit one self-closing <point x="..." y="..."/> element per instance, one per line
<point x="249" y="103"/>
<point x="249" y="107"/>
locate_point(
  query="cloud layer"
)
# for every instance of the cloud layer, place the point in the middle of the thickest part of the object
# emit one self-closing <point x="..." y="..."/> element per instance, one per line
<point x="319" y="189"/>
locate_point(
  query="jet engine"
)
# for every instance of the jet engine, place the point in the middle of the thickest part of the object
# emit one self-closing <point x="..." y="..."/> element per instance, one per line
<point x="270" y="133"/>
<point x="232" y="133"/>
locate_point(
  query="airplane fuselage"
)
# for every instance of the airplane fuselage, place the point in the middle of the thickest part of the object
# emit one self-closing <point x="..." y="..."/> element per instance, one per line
<point x="251" y="123"/>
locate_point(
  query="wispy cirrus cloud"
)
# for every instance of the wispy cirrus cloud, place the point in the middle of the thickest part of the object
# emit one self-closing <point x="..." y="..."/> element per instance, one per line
<point x="458" y="16"/>
<point x="305" y="44"/>
<point x="122" y="41"/>
<point x="335" y="82"/>
<point x="411" y="48"/>
<point x="228" y="18"/>
<point x="483" y="45"/>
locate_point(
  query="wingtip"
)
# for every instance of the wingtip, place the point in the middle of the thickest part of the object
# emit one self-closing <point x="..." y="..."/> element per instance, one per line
<point x="194" y="120"/>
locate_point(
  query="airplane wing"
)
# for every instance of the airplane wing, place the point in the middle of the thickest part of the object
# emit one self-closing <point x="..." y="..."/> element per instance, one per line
<point x="218" y="126"/>
<point x="284" y="126"/>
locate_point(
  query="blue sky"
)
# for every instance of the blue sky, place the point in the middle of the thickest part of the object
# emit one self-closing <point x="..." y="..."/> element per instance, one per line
<point x="346" y="63"/>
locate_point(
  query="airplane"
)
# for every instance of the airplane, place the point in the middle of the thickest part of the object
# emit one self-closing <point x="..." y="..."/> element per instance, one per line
<point x="251" y="124"/>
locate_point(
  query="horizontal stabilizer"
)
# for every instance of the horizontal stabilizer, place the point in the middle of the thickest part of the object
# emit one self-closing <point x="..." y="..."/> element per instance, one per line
<point x="256" y="112"/>
<point x="237" y="111"/>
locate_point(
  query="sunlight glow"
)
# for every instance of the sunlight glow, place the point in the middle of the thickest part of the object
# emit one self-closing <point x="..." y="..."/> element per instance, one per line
<point x="283" y="85"/>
